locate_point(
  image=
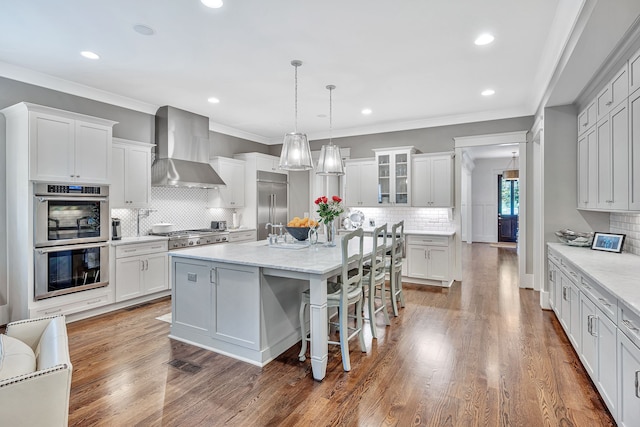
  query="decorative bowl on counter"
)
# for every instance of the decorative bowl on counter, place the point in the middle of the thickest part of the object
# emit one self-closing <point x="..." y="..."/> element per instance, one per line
<point x="575" y="238"/>
<point x="162" y="227"/>
<point x="299" y="233"/>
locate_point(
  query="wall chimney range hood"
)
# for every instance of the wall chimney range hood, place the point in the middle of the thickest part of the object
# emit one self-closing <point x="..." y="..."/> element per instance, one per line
<point x="182" y="151"/>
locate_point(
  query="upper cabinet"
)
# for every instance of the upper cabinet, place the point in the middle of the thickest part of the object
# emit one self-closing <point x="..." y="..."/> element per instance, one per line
<point x="612" y="94"/>
<point x="634" y="73"/>
<point x="232" y="173"/>
<point x="394" y="175"/>
<point x="63" y="146"/>
<point x="587" y="118"/>
<point x="360" y="187"/>
<point x="432" y="180"/>
<point x="130" y="174"/>
<point x="265" y="162"/>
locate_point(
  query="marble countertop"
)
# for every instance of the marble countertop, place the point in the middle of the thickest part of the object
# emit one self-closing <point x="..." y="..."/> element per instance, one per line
<point x="414" y="232"/>
<point x="141" y="239"/>
<point x="618" y="273"/>
<point x="314" y="259"/>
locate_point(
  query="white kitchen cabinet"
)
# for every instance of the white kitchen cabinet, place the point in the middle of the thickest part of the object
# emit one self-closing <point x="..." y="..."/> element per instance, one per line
<point x="242" y="236"/>
<point x="569" y="308"/>
<point x="265" y="162"/>
<point x="613" y="160"/>
<point x="598" y="338"/>
<point x="587" y="118"/>
<point x="432" y="180"/>
<point x="429" y="259"/>
<point x="130" y="174"/>
<point x="634" y="73"/>
<point x="628" y="375"/>
<point x="552" y="285"/>
<point x="141" y="269"/>
<point x="587" y="169"/>
<point x="634" y="148"/>
<point x="68" y="147"/>
<point x="217" y="301"/>
<point x="232" y="173"/>
<point x="394" y="175"/>
<point x="612" y="94"/>
<point x="360" y="184"/>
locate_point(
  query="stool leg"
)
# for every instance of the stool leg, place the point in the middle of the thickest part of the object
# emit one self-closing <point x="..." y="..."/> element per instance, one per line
<point x="372" y="308"/>
<point x="344" y="335"/>
<point x="392" y="283"/>
<point x="383" y="299"/>
<point x="399" y="282"/>
<point x="303" y="329"/>
<point x="359" y="323"/>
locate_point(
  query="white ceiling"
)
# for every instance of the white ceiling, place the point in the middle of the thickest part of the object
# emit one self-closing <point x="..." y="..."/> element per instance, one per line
<point x="413" y="62"/>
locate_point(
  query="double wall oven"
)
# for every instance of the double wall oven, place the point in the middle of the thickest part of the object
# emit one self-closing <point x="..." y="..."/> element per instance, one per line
<point x="71" y="230"/>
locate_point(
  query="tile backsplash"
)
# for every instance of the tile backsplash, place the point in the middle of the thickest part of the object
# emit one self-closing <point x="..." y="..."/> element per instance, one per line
<point x="629" y="224"/>
<point x="432" y="219"/>
<point x="185" y="208"/>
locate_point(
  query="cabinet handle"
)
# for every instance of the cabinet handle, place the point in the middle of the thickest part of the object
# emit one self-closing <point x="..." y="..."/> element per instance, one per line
<point x="637" y="385"/>
<point x="156" y="247"/>
<point x="594" y="319"/>
<point x="95" y="301"/>
<point x="212" y="278"/>
<point x="609" y="103"/>
<point x="589" y="324"/>
<point x="53" y="311"/>
<point x="141" y="265"/>
<point x="604" y="302"/>
<point x="630" y="326"/>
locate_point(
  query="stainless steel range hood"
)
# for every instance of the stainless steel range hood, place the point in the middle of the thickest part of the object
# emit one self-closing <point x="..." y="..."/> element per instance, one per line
<point x="182" y="151"/>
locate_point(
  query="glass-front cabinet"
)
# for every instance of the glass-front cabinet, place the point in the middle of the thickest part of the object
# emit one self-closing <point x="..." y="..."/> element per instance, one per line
<point x="394" y="175"/>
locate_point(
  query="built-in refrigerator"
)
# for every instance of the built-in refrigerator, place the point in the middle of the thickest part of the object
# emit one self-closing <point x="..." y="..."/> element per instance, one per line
<point x="272" y="201"/>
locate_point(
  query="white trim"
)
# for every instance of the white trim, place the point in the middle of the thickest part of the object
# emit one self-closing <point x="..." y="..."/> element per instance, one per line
<point x="26" y="75"/>
<point x="227" y="130"/>
<point x="491" y="139"/>
<point x="544" y="300"/>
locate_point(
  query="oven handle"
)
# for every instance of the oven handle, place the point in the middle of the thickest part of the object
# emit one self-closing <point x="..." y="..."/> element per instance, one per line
<point x="43" y="199"/>
<point x="42" y="251"/>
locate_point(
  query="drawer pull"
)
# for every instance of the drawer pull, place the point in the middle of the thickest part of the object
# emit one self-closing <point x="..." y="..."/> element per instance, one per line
<point x="130" y="250"/>
<point x="637" y="385"/>
<point x="604" y="301"/>
<point x="53" y="311"/>
<point x="573" y="274"/>
<point x="156" y="247"/>
<point x="95" y="301"/>
<point x="630" y="326"/>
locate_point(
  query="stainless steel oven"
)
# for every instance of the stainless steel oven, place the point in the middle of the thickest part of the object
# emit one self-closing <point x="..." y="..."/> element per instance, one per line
<point x="70" y="214"/>
<point x="64" y="269"/>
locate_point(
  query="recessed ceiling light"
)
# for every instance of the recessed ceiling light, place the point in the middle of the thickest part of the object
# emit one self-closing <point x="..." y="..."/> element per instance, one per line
<point x="483" y="39"/>
<point x="90" y="55"/>
<point x="143" y="29"/>
<point x="488" y="92"/>
<point x="367" y="111"/>
<point x="213" y="4"/>
<point x="213" y="100"/>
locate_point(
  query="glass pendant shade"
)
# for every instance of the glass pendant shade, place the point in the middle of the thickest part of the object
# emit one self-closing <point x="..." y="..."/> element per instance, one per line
<point x="330" y="161"/>
<point x="296" y="154"/>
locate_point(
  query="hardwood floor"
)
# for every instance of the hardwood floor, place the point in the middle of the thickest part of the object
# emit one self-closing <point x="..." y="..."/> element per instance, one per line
<point x="480" y="353"/>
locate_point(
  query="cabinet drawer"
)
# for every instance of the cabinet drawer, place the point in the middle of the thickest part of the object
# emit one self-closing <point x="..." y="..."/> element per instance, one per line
<point x="123" y="251"/>
<point x="413" y="239"/>
<point x="600" y="297"/>
<point x="569" y="270"/>
<point x="629" y="323"/>
<point x="554" y="257"/>
<point x="72" y="307"/>
<point x="243" y="236"/>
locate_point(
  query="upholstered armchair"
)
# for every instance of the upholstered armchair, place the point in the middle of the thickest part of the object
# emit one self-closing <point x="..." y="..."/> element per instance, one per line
<point x="35" y="373"/>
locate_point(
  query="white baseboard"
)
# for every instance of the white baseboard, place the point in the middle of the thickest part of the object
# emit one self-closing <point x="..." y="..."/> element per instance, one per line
<point x="526" y="281"/>
<point x="544" y="300"/>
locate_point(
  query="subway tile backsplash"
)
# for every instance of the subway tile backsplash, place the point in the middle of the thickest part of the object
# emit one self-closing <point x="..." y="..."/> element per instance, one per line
<point x="185" y="208"/>
<point x="429" y="219"/>
<point x="629" y="224"/>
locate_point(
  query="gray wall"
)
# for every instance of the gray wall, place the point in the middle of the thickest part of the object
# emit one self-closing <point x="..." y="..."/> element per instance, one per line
<point x="226" y="145"/>
<point x="426" y="140"/>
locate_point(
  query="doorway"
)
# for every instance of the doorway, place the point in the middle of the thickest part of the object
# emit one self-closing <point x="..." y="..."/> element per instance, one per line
<point x="508" y="209"/>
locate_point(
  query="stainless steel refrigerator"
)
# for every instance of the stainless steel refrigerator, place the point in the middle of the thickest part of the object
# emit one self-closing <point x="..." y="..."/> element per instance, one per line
<point x="272" y="201"/>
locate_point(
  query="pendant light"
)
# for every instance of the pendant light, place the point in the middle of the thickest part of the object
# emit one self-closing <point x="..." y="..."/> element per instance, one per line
<point x="330" y="161"/>
<point x="296" y="154"/>
<point x="511" y="173"/>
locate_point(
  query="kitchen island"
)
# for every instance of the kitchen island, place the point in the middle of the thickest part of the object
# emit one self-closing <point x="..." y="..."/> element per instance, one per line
<point x="243" y="300"/>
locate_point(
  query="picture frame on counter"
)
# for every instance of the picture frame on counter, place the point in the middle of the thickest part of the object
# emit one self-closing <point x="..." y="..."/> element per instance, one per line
<point x="608" y="242"/>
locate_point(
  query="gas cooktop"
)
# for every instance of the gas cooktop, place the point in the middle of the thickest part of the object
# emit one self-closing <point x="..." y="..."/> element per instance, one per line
<point x="189" y="238"/>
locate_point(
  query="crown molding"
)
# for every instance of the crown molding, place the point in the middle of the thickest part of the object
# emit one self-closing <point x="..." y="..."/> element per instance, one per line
<point x="228" y="130"/>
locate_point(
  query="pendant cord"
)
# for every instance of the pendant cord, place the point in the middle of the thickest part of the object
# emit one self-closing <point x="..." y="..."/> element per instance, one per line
<point x="330" y="116"/>
<point x="296" y="100"/>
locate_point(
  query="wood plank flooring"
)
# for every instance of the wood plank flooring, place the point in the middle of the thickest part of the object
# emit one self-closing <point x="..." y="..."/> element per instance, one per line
<point x="478" y="354"/>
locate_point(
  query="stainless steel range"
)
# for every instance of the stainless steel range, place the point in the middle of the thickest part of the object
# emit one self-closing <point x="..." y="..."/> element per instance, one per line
<point x="190" y="238"/>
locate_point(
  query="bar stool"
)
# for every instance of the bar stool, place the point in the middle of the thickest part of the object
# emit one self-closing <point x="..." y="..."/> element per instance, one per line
<point x="374" y="280"/>
<point x="393" y="266"/>
<point x="342" y="295"/>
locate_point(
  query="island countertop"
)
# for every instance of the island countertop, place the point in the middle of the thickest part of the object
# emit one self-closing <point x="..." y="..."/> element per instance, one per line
<point x="314" y="259"/>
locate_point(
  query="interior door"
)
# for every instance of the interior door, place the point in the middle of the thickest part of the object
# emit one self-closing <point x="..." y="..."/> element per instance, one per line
<point x="508" y="208"/>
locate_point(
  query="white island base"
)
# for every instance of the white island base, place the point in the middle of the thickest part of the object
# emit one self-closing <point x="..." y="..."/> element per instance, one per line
<point x="235" y="310"/>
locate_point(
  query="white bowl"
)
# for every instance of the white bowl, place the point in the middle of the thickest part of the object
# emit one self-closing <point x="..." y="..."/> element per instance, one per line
<point x="162" y="227"/>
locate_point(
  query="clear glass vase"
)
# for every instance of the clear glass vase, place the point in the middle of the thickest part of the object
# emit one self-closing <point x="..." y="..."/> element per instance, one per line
<point x="330" y="233"/>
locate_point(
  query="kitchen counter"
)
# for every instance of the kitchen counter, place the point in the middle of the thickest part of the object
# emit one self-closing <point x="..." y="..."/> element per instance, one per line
<point x="447" y="233"/>
<point x="618" y="273"/>
<point x="141" y="239"/>
<point x="239" y="230"/>
<point x="243" y="300"/>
